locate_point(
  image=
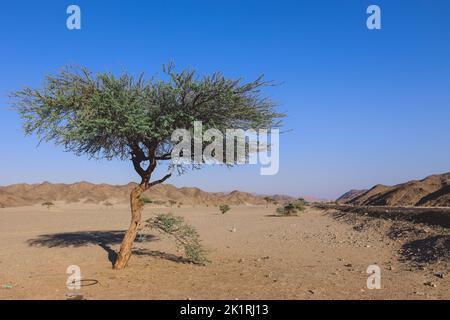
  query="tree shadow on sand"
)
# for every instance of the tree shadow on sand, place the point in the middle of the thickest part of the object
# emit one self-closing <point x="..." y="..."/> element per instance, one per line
<point x="426" y="251"/>
<point x="161" y="255"/>
<point x="104" y="239"/>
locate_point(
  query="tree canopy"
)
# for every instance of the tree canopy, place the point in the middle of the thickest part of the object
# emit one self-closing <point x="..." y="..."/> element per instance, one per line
<point x="106" y="116"/>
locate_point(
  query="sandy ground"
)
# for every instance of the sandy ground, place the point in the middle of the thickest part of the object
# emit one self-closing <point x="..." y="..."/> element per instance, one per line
<point x="312" y="256"/>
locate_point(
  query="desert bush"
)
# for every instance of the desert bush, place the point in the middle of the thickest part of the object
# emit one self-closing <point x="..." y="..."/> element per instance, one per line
<point x="172" y="203"/>
<point x="224" y="208"/>
<point x="107" y="204"/>
<point x="48" y="204"/>
<point x="302" y="201"/>
<point x="185" y="235"/>
<point x="269" y="200"/>
<point x="291" y="209"/>
<point x="146" y="200"/>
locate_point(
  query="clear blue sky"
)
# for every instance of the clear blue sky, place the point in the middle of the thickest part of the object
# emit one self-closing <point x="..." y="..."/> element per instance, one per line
<point x="365" y="107"/>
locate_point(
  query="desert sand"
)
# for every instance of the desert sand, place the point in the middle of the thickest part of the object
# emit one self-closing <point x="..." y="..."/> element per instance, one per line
<point x="254" y="255"/>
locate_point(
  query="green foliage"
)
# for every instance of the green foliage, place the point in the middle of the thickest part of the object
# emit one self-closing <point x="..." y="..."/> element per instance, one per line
<point x="185" y="235"/>
<point x="291" y="209"/>
<point x="48" y="204"/>
<point x="146" y="200"/>
<point x="172" y="203"/>
<point x="224" y="208"/>
<point x="107" y="116"/>
<point x="302" y="201"/>
<point x="269" y="199"/>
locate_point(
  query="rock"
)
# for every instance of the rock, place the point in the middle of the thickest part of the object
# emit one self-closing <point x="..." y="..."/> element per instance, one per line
<point x="430" y="284"/>
<point x="74" y="296"/>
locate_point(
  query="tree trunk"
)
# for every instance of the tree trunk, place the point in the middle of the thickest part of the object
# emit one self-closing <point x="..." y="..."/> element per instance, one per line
<point x="128" y="240"/>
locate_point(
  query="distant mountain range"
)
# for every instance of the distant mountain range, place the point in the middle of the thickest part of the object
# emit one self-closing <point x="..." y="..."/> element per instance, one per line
<point x="433" y="191"/>
<point x="84" y="192"/>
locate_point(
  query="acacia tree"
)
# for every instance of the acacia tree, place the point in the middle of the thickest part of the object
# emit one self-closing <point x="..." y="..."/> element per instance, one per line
<point x="106" y="116"/>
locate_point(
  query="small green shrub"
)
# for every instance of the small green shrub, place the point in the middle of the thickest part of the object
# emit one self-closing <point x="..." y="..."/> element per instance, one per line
<point x="172" y="203"/>
<point x="146" y="200"/>
<point x="302" y="201"/>
<point x="224" y="208"/>
<point x="185" y="235"/>
<point x="291" y="209"/>
<point x="48" y="204"/>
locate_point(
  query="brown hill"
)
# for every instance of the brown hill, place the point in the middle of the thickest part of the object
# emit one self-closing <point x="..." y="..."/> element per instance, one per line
<point x="85" y="192"/>
<point x="433" y="191"/>
<point x="350" y="195"/>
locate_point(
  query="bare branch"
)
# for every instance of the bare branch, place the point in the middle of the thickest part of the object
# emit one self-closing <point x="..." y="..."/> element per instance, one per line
<point x="167" y="176"/>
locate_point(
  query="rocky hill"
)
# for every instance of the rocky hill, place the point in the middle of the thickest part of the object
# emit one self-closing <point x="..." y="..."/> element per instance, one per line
<point x="350" y="195"/>
<point x="84" y="192"/>
<point x="433" y="191"/>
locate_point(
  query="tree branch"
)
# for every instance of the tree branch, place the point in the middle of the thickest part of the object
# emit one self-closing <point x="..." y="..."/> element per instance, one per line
<point x="167" y="176"/>
<point x="166" y="156"/>
<point x="137" y="166"/>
